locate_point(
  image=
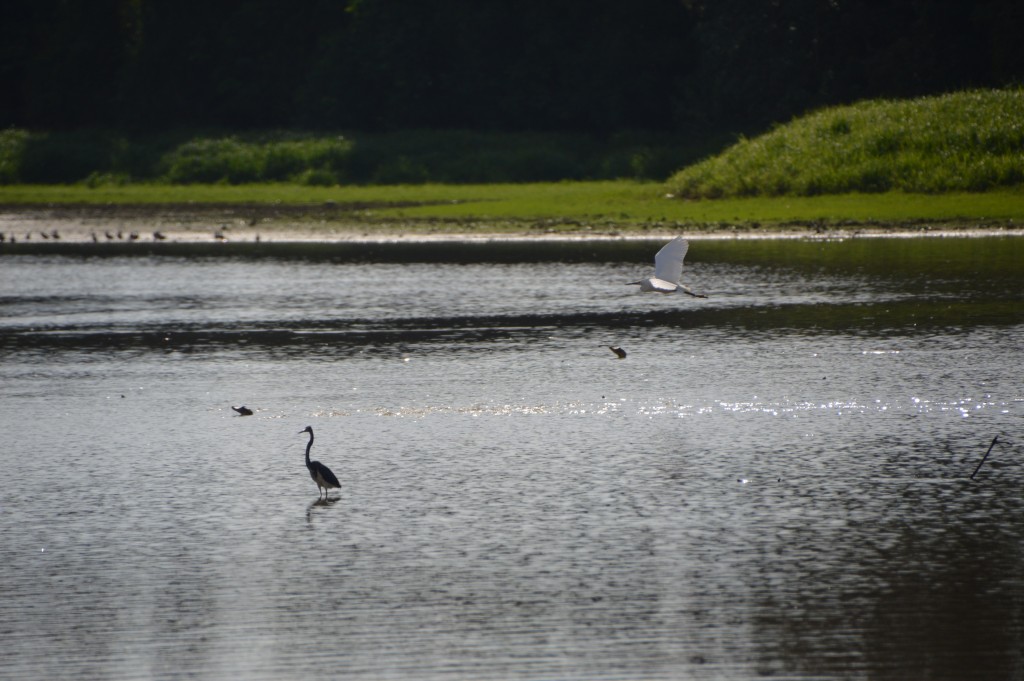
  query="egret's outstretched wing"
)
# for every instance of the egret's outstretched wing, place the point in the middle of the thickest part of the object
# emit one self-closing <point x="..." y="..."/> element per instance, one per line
<point x="668" y="263"/>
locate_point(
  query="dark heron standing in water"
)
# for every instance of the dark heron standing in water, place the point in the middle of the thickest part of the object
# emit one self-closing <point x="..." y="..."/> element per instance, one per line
<point x="668" y="269"/>
<point x="321" y="474"/>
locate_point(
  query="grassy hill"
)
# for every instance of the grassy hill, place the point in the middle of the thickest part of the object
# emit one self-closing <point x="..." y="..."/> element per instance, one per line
<point x="966" y="141"/>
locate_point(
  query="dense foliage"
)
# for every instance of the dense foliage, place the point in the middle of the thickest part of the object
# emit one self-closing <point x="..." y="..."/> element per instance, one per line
<point x="968" y="141"/>
<point x="585" y="66"/>
<point x="106" y="157"/>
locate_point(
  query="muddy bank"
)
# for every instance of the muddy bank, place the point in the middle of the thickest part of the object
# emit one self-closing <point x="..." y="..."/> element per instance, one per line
<point x="46" y="227"/>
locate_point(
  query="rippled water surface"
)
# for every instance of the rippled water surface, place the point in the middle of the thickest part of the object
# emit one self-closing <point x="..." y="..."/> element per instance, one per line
<point x="776" y="480"/>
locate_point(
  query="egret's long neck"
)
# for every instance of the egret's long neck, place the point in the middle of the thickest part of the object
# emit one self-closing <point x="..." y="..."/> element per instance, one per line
<point x="309" y="445"/>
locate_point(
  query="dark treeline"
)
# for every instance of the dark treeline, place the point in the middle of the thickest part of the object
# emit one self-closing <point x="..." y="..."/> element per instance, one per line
<point x="592" y="66"/>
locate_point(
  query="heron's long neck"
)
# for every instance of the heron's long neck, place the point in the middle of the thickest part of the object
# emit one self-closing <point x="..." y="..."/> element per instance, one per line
<point x="309" y="445"/>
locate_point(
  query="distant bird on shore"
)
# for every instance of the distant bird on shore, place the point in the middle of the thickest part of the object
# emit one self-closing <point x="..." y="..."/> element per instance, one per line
<point x="110" y="237"/>
<point x="159" y="236"/>
<point x="668" y="269"/>
<point x="243" y="410"/>
<point x="618" y="351"/>
<point x="321" y="474"/>
<point x="134" y="236"/>
<point x="94" y="237"/>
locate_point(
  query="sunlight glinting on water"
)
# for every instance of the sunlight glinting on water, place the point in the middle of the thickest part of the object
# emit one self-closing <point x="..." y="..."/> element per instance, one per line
<point x="787" y="479"/>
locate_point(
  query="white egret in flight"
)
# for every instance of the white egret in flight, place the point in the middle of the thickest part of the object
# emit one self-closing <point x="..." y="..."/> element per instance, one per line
<point x="668" y="268"/>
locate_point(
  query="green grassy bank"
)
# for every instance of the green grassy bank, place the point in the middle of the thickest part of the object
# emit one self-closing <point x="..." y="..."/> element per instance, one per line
<point x="622" y="203"/>
<point x="966" y="141"/>
<point x="956" y="160"/>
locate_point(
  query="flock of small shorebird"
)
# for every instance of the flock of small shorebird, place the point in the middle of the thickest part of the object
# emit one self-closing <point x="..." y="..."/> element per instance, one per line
<point x="55" y="236"/>
<point x="668" y="270"/>
<point x="119" y="235"/>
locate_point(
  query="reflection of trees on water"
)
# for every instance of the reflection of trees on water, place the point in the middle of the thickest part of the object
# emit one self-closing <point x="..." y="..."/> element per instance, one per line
<point x="929" y="590"/>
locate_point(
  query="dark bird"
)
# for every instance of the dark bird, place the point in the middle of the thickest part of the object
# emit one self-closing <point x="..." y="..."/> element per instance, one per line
<point x="668" y="268"/>
<point x="159" y="236"/>
<point x="618" y="351"/>
<point x="219" y="236"/>
<point x="108" y="235"/>
<point x="243" y="410"/>
<point x="44" y="235"/>
<point x="55" y="234"/>
<point x="93" y="235"/>
<point x="134" y="236"/>
<point x="321" y="474"/>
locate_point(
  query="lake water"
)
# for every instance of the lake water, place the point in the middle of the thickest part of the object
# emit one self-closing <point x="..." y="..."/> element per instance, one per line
<point x="775" y="482"/>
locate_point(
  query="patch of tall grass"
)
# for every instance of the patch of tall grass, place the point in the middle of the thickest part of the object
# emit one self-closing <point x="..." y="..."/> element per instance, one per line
<point x="232" y="160"/>
<point x="966" y="141"/>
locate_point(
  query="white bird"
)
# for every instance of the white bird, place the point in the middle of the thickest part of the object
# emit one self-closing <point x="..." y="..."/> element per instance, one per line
<point x="668" y="269"/>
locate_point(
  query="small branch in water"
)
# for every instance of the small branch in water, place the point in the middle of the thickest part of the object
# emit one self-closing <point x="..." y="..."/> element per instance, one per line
<point x="985" y="457"/>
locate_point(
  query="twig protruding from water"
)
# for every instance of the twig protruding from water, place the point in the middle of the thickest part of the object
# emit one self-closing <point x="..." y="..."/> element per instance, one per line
<point x="985" y="457"/>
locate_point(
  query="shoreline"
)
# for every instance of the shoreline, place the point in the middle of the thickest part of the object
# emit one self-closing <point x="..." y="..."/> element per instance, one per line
<point x="279" y="224"/>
